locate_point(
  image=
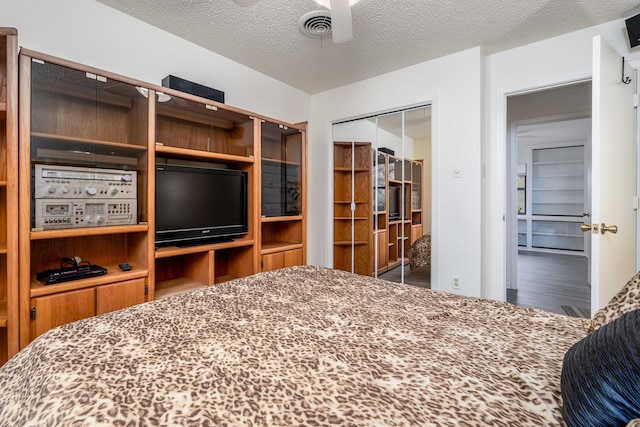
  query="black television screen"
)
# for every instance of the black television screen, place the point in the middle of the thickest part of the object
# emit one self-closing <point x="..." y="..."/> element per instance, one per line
<point x="395" y="202"/>
<point x="196" y="205"/>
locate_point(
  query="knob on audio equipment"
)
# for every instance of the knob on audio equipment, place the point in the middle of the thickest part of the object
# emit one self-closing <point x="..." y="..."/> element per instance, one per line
<point x="91" y="190"/>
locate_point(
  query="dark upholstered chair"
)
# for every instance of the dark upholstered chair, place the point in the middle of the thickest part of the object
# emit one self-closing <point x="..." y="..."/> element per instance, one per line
<point x="420" y="252"/>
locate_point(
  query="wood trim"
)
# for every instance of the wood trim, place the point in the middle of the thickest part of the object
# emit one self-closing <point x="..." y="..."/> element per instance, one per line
<point x="151" y="191"/>
<point x="13" y="338"/>
<point x="24" y="216"/>
<point x="82" y="67"/>
<point x="304" y="205"/>
<point x="257" y="195"/>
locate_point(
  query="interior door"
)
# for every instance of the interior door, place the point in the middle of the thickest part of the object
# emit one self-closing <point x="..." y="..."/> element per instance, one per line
<point x="613" y="187"/>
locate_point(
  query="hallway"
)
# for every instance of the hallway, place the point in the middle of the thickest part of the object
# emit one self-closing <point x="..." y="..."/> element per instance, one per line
<point x="549" y="281"/>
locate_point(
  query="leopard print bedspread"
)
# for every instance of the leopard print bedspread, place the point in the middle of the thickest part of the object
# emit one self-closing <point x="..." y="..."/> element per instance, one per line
<point x="299" y="346"/>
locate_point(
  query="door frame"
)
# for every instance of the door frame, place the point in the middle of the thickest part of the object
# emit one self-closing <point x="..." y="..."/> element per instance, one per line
<point x="511" y="219"/>
<point x="495" y="232"/>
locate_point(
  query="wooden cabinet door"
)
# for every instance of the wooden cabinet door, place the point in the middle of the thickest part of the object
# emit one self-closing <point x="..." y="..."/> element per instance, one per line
<point x="416" y="232"/>
<point x="55" y="310"/>
<point x="383" y="250"/>
<point x="293" y="257"/>
<point x="272" y="261"/>
<point x="119" y="295"/>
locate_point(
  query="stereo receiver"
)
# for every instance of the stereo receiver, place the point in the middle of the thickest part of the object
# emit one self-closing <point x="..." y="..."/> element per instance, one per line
<point x="74" y="197"/>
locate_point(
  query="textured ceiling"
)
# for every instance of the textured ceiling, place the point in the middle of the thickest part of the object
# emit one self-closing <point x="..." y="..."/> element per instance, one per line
<point x="388" y="34"/>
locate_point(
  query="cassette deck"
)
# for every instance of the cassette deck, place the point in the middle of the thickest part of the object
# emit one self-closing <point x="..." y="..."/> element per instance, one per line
<point x="74" y="197"/>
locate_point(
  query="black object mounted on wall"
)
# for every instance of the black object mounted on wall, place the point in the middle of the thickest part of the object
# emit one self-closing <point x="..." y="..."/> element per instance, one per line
<point x="192" y="88"/>
<point x="633" y="30"/>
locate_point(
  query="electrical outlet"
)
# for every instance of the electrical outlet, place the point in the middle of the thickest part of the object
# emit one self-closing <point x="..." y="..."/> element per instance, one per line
<point x="455" y="282"/>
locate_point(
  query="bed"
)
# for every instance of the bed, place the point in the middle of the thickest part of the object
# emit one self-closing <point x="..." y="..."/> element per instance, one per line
<point x="298" y="346"/>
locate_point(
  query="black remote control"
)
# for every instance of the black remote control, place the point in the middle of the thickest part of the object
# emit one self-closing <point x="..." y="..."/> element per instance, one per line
<point x="125" y="266"/>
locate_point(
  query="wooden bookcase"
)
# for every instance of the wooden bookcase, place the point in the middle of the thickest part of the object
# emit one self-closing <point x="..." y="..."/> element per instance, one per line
<point x="9" y="330"/>
<point x="370" y="188"/>
<point x="283" y="195"/>
<point x="352" y="207"/>
<point x="404" y="181"/>
<point x="75" y="116"/>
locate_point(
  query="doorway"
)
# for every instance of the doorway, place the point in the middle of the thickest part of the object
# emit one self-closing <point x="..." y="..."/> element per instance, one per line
<point x="549" y="197"/>
<point x="382" y="195"/>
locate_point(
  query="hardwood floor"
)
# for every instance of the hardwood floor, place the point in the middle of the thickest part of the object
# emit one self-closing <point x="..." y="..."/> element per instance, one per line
<point x="545" y="281"/>
<point x="549" y="281"/>
<point x="420" y="277"/>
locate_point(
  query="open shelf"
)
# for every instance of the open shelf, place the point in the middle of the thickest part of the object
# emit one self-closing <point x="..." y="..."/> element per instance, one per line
<point x="178" y="270"/>
<point x="39" y="234"/>
<point x="187" y="153"/>
<point x="113" y="275"/>
<point x="172" y="251"/>
<point x="175" y="286"/>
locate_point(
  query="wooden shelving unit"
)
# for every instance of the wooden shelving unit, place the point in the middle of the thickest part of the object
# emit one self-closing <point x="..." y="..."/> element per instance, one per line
<point x="193" y="131"/>
<point x="9" y="320"/>
<point x="370" y="190"/>
<point x="81" y="117"/>
<point x="352" y="207"/>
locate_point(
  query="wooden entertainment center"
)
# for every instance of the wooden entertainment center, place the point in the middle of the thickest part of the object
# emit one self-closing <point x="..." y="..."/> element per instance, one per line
<point x="78" y="116"/>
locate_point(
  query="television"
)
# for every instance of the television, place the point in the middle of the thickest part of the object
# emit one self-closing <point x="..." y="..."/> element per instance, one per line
<point x="198" y="205"/>
<point x="395" y="202"/>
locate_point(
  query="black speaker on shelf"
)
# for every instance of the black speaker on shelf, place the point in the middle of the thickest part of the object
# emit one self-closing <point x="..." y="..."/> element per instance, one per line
<point x="633" y="30"/>
<point x="192" y="88"/>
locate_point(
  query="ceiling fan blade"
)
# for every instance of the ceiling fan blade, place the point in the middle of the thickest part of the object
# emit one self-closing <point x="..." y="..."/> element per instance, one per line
<point x="341" y="21"/>
<point x="245" y="3"/>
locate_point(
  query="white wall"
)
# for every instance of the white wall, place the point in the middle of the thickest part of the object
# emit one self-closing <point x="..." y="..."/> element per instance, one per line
<point x="365" y="130"/>
<point x="453" y="84"/>
<point x="91" y="33"/>
<point x="558" y="60"/>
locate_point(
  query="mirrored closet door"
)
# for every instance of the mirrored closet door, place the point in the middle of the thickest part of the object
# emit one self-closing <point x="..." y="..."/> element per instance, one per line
<point x="382" y="195"/>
